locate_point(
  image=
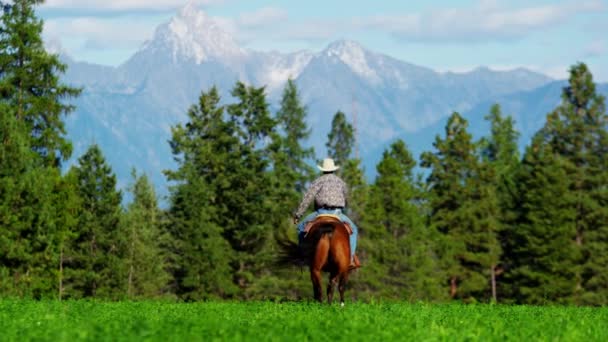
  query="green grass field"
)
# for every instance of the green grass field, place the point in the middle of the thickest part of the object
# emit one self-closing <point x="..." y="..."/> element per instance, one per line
<point x="158" y="321"/>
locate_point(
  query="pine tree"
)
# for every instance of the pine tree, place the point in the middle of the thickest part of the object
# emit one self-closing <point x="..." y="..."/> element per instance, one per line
<point x="14" y="164"/>
<point x="291" y="171"/>
<point x="291" y="160"/>
<point x="464" y="208"/>
<point x="401" y="258"/>
<point x="203" y="257"/>
<point x="30" y="81"/>
<point x="576" y="132"/>
<point x="27" y="213"/>
<point x="34" y="143"/>
<point x="340" y="139"/>
<point x="67" y="210"/>
<point x="252" y="213"/>
<point x="94" y="263"/>
<point x="543" y="254"/>
<point x="500" y="149"/>
<point x="500" y="155"/>
<point x="145" y="259"/>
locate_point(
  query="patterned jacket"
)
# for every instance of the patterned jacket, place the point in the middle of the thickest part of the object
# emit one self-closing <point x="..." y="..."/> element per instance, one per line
<point x="328" y="190"/>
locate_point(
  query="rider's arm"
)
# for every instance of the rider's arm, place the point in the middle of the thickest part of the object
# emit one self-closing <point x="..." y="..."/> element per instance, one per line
<point x="308" y="197"/>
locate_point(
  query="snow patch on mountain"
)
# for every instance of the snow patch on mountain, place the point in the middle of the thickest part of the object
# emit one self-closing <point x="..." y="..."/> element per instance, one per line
<point x="193" y="35"/>
<point x="353" y="55"/>
<point x="279" y="68"/>
<point x="129" y="110"/>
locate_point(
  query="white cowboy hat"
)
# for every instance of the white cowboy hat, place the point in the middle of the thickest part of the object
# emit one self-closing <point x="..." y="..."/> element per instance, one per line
<point x="328" y="165"/>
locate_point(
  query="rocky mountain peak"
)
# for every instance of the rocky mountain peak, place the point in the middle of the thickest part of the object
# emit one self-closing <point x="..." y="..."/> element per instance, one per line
<point x="354" y="55"/>
<point x="193" y="35"/>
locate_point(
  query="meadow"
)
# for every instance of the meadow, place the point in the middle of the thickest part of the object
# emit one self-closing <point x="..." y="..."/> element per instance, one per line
<point x="22" y="320"/>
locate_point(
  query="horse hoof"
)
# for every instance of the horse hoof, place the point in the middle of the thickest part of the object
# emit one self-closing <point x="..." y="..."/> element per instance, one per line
<point x="342" y="304"/>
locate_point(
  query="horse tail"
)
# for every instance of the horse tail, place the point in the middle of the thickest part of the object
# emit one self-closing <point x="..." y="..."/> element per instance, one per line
<point x="289" y="253"/>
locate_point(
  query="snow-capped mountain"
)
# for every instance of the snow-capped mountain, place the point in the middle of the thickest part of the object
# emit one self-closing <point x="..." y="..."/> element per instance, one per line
<point x="193" y="35"/>
<point x="129" y="110"/>
<point x="355" y="57"/>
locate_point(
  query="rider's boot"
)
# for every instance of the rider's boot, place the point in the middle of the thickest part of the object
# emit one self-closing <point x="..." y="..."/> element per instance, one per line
<point x="354" y="262"/>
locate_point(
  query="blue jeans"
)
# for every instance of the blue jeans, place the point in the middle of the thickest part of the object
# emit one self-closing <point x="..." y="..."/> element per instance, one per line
<point x="338" y="212"/>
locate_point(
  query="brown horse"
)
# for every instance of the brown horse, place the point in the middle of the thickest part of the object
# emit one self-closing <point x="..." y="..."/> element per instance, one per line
<point x="328" y="249"/>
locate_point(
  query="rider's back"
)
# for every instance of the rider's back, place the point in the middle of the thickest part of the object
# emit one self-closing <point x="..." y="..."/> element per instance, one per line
<point x="330" y="191"/>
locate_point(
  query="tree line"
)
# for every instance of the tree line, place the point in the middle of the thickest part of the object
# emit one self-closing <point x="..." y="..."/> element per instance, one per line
<point x="482" y="224"/>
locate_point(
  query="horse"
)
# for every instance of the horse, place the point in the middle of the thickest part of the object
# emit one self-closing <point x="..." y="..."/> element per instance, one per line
<point x="325" y="248"/>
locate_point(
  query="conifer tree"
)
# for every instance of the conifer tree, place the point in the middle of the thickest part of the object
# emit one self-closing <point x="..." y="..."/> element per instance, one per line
<point x="145" y="260"/>
<point x="28" y="254"/>
<point x="291" y="171"/>
<point x="401" y="258"/>
<point x="291" y="161"/>
<point x="543" y="254"/>
<point x="25" y="213"/>
<point x="501" y="157"/>
<point x="232" y="156"/>
<point x="576" y="132"/>
<point x="464" y="208"/>
<point x="95" y="265"/>
<point x="14" y="164"/>
<point x="202" y="257"/>
<point x="251" y="213"/>
<point x="30" y="81"/>
<point x="34" y="143"/>
<point x="340" y="139"/>
<point x="500" y="149"/>
<point x="68" y="206"/>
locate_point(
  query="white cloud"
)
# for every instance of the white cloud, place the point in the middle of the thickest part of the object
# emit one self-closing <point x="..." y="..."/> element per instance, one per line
<point x="123" y="5"/>
<point x="100" y="33"/>
<point x="558" y="72"/>
<point x="128" y="31"/>
<point x="273" y="23"/>
<point x="263" y="17"/>
<point x="310" y="32"/>
<point x="487" y="20"/>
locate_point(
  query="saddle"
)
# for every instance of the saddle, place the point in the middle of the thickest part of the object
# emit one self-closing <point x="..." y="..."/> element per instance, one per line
<point x="326" y="218"/>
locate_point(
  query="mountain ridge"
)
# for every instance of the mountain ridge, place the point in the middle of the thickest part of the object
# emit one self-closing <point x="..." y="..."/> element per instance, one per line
<point x="129" y="109"/>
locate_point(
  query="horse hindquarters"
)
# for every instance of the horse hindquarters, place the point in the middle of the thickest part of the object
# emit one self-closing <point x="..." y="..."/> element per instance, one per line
<point x="340" y="255"/>
<point x="320" y="259"/>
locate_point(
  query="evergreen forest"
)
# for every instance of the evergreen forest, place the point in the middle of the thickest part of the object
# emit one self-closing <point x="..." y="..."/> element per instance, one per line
<point x="481" y="222"/>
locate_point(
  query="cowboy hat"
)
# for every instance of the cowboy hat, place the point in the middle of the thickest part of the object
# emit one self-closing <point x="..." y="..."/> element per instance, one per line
<point x="328" y="165"/>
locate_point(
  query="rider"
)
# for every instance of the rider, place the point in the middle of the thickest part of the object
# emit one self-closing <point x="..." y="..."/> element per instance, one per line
<point x="329" y="193"/>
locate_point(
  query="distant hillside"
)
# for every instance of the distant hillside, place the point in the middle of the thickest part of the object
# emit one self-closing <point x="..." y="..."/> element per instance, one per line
<point x="128" y="110"/>
<point x="528" y="108"/>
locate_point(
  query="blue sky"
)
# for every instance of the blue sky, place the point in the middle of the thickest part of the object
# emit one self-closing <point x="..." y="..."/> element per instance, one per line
<point x="459" y="35"/>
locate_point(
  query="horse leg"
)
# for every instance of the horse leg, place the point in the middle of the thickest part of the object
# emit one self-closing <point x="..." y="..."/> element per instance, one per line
<point x="317" y="265"/>
<point x="315" y="276"/>
<point x="340" y="254"/>
<point x="333" y="280"/>
<point x="342" y="286"/>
